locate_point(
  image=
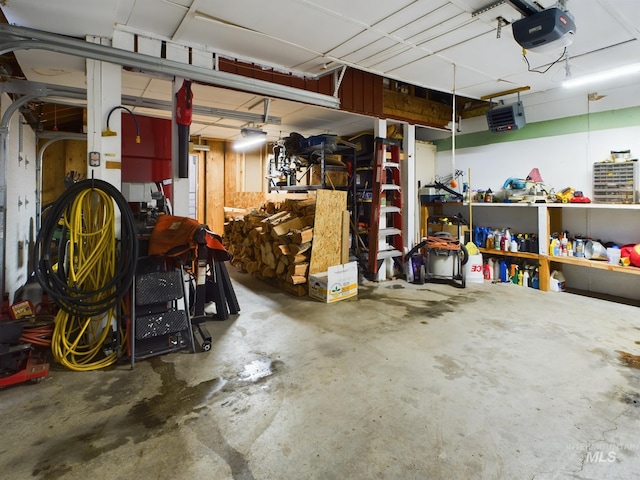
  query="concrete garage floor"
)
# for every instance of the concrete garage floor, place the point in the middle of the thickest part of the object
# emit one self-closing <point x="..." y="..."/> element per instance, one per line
<point x="404" y="382"/>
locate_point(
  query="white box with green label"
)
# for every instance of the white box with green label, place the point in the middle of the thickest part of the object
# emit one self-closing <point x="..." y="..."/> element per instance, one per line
<point x="337" y="283"/>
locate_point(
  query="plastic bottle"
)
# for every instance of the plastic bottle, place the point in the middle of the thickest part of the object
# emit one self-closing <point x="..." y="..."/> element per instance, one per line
<point x="554" y="247"/>
<point x="520" y="278"/>
<point x="490" y="240"/>
<point x="488" y="196"/>
<point x="496" y="271"/>
<point x="507" y="240"/>
<point x="504" y="274"/>
<point x="487" y="271"/>
<point x="514" y="274"/>
<point x="535" y="282"/>
<point x="525" y="278"/>
<point x="564" y="245"/>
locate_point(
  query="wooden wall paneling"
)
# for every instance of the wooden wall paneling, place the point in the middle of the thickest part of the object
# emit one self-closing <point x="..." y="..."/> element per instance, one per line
<point x="76" y="157"/>
<point x="346" y="91"/>
<point x="215" y="186"/>
<point x="378" y="97"/>
<point x="297" y="82"/>
<point x="232" y="170"/>
<point x="357" y="81"/>
<point x="53" y="172"/>
<point x="326" y="85"/>
<point x="265" y="74"/>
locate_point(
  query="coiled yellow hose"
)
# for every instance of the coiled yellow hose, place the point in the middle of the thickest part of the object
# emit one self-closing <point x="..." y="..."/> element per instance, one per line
<point x="78" y="342"/>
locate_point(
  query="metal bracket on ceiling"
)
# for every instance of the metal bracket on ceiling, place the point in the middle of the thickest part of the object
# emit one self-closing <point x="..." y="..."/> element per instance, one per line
<point x="485" y="9"/>
<point x="266" y="105"/>
<point x="525" y="7"/>
<point x="338" y="80"/>
<point x="502" y="22"/>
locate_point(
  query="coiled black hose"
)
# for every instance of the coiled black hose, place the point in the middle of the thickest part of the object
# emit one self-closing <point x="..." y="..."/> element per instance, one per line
<point x="49" y="254"/>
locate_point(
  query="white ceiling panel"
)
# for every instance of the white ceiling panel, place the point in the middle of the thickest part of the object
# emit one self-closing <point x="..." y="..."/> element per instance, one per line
<point x="400" y="59"/>
<point x="420" y="17"/>
<point x="313" y="37"/>
<point x="162" y="18"/>
<point x="353" y="48"/>
<point x="294" y="22"/>
<point x="67" y="17"/>
<point x="364" y="55"/>
<point x="245" y="44"/>
<point x="365" y="12"/>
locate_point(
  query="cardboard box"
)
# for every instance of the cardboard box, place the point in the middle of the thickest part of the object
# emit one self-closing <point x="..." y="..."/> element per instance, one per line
<point x="450" y="229"/>
<point x="334" y="176"/>
<point x="337" y="283"/>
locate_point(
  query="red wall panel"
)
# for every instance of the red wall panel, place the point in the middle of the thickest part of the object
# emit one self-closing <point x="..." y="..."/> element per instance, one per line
<point x="149" y="160"/>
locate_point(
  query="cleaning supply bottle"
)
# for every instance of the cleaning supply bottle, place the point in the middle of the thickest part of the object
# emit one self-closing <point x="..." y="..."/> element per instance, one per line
<point x="554" y="246"/>
<point x="507" y="241"/>
<point x="487" y="270"/>
<point x="496" y="271"/>
<point x="525" y="278"/>
<point x="497" y="239"/>
<point x="489" y="239"/>
<point x="514" y="274"/>
<point x="504" y="271"/>
<point x="520" y="278"/>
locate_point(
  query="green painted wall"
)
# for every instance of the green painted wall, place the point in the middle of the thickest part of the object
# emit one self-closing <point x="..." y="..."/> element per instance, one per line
<point x="626" y="117"/>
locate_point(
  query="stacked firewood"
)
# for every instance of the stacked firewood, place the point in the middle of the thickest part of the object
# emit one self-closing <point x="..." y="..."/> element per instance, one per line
<point x="274" y="242"/>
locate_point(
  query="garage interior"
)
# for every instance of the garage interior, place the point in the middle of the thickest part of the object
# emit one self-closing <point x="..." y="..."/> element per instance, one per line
<point x="427" y="268"/>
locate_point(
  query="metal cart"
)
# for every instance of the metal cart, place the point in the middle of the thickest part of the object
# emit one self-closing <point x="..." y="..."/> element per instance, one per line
<point x="440" y="256"/>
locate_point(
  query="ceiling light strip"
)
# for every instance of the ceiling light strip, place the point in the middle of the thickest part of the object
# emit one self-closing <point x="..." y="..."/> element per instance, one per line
<point x="17" y="38"/>
<point x="602" y="76"/>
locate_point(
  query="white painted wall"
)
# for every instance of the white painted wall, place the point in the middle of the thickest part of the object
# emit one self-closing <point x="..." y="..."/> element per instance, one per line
<point x="21" y="187"/>
<point x="563" y="161"/>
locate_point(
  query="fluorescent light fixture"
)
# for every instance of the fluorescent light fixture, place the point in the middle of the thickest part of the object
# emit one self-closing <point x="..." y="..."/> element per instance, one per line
<point x="251" y="137"/>
<point x="602" y="76"/>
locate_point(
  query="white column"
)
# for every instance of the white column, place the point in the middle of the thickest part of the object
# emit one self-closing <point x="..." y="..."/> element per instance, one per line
<point x="180" y="185"/>
<point x="104" y="91"/>
<point x="409" y="190"/>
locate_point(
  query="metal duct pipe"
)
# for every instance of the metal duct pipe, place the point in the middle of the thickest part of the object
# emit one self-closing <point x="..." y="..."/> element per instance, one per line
<point x="20" y="38"/>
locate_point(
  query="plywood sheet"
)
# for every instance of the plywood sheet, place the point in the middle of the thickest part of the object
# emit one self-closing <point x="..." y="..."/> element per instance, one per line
<point x="327" y="238"/>
<point x="215" y="187"/>
<point x="248" y="200"/>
